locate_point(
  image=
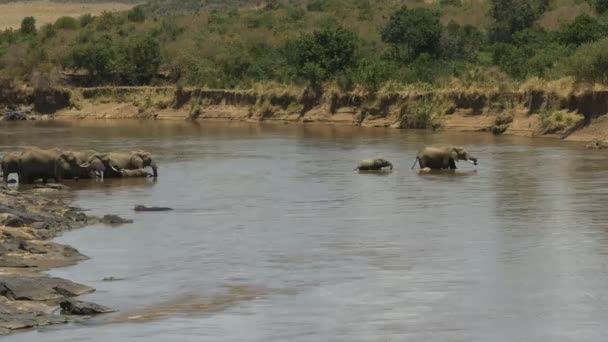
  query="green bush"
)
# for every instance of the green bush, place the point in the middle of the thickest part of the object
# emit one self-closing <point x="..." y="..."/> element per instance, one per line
<point x="28" y="25"/>
<point x="412" y="32"/>
<point x="323" y="54"/>
<point x="558" y="121"/>
<point x="461" y="42"/>
<point x="589" y="62"/>
<point x="136" y="15"/>
<point x="67" y="23"/>
<point x="584" y="29"/>
<point x="48" y="31"/>
<point x="316" y="6"/>
<point x="97" y="56"/>
<point x="511" y="16"/>
<point x="85" y="20"/>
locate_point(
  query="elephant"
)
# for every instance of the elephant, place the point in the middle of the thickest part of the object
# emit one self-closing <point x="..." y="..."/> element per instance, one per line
<point x="116" y="161"/>
<point x="442" y="157"/>
<point x="135" y="173"/>
<point x="37" y="163"/>
<point x="373" y="164"/>
<point x="9" y="164"/>
<point x="93" y="164"/>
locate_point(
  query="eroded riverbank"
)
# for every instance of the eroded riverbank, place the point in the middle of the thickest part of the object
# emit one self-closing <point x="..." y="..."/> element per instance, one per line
<point x="29" y="298"/>
<point x="566" y="111"/>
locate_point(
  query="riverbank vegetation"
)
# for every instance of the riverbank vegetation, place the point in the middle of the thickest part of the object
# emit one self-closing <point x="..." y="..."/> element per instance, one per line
<point x="361" y="44"/>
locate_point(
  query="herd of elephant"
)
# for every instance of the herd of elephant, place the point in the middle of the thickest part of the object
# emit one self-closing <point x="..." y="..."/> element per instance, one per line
<point x="429" y="158"/>
<point x="32" y="164"/>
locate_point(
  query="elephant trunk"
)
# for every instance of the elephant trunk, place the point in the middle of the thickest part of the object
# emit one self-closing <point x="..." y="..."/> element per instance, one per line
<point x="473" y="160"/>
<point x="390" y="165"/>
<point x="154" y="169"/>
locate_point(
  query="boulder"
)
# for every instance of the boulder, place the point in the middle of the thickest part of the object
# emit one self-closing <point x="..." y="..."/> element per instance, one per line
<point x="40" y="288"/>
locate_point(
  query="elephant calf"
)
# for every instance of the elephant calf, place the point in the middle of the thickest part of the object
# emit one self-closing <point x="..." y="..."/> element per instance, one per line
<point x="374" y="164"/>
<point x="442" y="157"/>
<point x="135" y="173"/>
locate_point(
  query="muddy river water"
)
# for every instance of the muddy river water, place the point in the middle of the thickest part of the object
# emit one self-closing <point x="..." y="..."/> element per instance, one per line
<point x="275" y="238"/>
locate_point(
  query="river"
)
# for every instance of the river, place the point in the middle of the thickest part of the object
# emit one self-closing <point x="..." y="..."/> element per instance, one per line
<point x="275" y="238"/>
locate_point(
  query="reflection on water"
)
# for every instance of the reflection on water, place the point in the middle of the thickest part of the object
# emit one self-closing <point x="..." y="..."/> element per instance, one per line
<point x="511" y="249"/>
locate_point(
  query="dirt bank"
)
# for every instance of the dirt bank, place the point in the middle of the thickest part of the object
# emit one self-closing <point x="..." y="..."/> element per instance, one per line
<point x="28" y="297"/>
<point x="570" y="113"/>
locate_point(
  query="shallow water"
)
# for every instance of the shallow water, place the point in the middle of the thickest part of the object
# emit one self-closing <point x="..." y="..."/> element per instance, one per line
<point x="275" y="238"/>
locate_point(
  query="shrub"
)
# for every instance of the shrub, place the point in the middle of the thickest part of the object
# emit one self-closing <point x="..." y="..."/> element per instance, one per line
<point x="136" y="15"/>
<point x="322" y="54"/>
<point x="460" y="42"/>
<point x="584" y="29"/>
<point x="588" y="63"/>
<point x="511" y="16"/>
<point x="558" y="121"/>
<point x="28" y="25"/>
<point x="66" y="23"/>
<point x="412" y="32"/>
<point x="85" y="20"/>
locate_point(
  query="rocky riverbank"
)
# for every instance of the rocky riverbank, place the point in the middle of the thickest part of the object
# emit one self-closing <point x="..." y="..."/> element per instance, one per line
<point x="29" y="298"/>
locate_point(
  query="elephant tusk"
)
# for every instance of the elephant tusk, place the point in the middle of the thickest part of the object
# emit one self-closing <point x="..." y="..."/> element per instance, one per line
<point x="113" y="168"/>
<point x="85" y="165"/>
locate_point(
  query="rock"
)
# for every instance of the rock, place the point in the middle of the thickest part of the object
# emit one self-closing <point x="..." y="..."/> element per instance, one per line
<point x="144" y="208"/>
<point x="597" y="145"/>
<point x="114" y="220"/>
<point x="12" y="221"/>
<point x="40" y="288"/>
<point x="14" y="115"/>
<point x="40" y="225"/>
<point x="54" y="186"/>
<point x="76" y="216"/>
<point x="77" y="307"/>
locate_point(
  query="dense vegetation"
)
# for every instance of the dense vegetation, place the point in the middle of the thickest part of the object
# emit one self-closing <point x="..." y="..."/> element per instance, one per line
<point x="348" y="43"/>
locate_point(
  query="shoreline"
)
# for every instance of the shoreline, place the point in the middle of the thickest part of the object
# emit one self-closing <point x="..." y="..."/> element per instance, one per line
<point x="29" y="221"/>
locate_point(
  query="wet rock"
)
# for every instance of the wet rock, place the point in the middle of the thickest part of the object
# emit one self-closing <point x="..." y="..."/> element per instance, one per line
<point x="77" y="307"/>
<point x="12" y="221"/>
<point x="54" y="186"/>
<point x="40" y="288"/>
<point x="76" y="216"/>
<point x="28" y="217"/>
<point x="14" y="115"/>
<point x="114" y="220"/>
<point x="144" y="208"/>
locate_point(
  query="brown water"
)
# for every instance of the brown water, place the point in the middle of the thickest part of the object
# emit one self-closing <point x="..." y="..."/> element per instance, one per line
<point x="275" y="238"/>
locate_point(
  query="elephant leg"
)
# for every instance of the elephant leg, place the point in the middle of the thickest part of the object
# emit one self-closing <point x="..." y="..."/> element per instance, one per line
<point x="452" y="164"/>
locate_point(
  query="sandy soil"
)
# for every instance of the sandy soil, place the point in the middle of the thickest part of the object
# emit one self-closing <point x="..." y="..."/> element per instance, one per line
<point x="46" y="12"/>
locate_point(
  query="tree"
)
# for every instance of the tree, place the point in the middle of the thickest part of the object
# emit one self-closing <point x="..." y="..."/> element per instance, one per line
<point x="584" y="29"/>
<point x="412" y="32"/>
<point x="511" y="16"/>
<point x="97" y="56"/>
<point x="141" y="60"/>
<point x="600" y="6"/>
<point x="460" y="42"/>
<point x="28" y="25"/>
<point x="323" y="54"/>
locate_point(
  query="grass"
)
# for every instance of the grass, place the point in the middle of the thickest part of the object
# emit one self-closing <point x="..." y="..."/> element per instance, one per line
<point x="561" y="121"/>
<point x="46" y="12"/>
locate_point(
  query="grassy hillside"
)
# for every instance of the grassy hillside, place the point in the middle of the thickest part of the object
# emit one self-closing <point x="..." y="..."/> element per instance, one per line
<point x="359" y="45"/>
